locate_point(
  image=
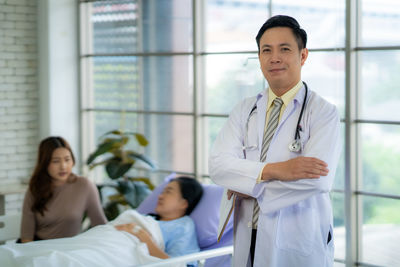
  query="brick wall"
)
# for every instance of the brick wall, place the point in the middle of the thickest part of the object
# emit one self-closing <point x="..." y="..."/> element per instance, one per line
<point x="19" y="104"/>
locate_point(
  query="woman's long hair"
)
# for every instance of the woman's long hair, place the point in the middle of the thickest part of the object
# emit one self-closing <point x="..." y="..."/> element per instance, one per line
<point x="40" y="184"/>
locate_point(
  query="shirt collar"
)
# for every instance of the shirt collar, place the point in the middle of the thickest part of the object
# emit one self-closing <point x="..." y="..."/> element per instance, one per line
<point x="286" y="97"/>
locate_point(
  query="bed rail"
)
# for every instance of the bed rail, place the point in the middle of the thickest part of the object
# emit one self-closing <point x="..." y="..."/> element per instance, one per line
<point x="193" y="257"/>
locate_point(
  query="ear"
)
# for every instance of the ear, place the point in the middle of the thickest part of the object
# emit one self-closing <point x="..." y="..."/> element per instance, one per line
<point x="184" y="204"/>
<point x="303" y="55"/>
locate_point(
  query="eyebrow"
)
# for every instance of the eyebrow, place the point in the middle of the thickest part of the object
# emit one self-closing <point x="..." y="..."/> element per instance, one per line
<point x="282" y="44"/>
<point x="168" y="188"/>
<point x="60" y="157"/>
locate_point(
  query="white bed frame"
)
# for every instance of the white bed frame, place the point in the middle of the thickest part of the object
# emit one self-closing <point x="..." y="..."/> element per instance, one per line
<point x="199" y="256"/>
<point x="10" y="229"/>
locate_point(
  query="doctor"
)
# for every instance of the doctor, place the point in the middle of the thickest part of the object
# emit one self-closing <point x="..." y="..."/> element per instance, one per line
<point x="281" y="175"/>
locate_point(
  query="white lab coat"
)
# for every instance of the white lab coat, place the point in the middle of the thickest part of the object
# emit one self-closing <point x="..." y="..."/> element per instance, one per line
<point x="295" y="217"/>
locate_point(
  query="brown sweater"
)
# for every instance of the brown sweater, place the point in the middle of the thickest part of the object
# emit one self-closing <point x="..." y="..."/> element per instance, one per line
<point x="65" y="211"/>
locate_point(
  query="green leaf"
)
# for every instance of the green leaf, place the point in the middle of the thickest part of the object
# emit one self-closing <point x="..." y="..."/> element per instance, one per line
<point x="127" y="189"/>
<point x="140" y="138"/>
<point x="106" y="146"/>
<point x="116" y="132"/>
<point x="141" y="157"/>
<point x="118" y="143"/>
<point x="111" y="210"/>
<point x="145" y="180"/>
<point x="103" y="162"/>
<point x="115" y="168"/>
<point x="125" y="140"/>
<point x="134" y="192"/>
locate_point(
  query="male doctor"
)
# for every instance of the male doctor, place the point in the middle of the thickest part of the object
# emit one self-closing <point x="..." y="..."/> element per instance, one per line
<point x="283" y="213"/>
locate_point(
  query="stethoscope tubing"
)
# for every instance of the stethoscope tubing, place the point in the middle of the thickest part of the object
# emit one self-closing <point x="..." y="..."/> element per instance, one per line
<point x="298" y="128"/>
<point x="296" y="141"/>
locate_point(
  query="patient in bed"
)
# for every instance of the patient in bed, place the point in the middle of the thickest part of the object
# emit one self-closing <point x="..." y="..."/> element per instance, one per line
<point x="130" y="240"/>
<point x="176" y="201"/>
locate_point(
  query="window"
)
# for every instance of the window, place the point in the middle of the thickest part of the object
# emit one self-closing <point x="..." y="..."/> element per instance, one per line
<point x="137" y="75"/>
<point x="173" y="69"/>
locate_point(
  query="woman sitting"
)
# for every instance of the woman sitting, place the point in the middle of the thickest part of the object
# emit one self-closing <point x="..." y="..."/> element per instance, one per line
<point x="175" y="203"/>
<point x="57" y="199"/>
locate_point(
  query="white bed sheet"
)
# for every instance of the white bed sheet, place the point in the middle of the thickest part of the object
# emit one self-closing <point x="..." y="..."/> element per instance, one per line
<point x="100" y="246"/>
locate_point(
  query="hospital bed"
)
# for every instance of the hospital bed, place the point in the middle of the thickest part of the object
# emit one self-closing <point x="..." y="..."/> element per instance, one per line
<point x="205" y="216"/>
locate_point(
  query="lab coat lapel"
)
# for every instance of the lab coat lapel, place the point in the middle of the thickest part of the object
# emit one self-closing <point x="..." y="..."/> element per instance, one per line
<point x="261" y="113"/>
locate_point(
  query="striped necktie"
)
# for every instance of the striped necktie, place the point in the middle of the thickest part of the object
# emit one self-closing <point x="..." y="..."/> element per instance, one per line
<point x="268" y="134"/>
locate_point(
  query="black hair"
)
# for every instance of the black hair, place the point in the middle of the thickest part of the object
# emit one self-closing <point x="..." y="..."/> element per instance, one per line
<point x="191" y="190"/>
<point x="284" y="21"/>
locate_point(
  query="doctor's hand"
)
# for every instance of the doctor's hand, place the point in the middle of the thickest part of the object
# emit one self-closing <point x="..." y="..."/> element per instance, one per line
<point x="295" y="169"/>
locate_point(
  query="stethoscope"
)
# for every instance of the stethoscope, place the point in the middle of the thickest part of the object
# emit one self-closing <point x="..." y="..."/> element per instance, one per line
<point x="294" y="146"/>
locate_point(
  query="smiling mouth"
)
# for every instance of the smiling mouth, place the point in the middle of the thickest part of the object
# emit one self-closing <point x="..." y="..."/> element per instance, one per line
<point x="276" y="70"/>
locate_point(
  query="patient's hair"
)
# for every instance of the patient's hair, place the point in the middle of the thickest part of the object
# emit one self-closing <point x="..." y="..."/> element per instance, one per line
<point x="191" y="190"/>
<point x="40" y="182"/>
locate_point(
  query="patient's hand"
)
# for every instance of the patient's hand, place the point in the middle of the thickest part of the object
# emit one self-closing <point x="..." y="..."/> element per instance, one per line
<point x="135" y="230"/>
<point x="144" y="237"/>
<point x="128" y="227"/>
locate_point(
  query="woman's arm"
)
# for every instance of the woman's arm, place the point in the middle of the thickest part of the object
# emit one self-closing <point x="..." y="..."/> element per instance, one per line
<point x="144" y="237"/>
<point x="28" y="222"/>
<point x="93" y="206"/>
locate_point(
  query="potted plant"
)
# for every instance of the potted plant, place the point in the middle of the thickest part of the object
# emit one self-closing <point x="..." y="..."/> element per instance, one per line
<point x="113" y="153"/>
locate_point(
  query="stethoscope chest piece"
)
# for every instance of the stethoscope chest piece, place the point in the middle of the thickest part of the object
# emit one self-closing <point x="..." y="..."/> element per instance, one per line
<point x="295" y="146"/>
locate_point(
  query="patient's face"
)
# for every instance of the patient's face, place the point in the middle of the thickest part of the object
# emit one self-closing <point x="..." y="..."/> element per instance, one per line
<point x="171" y="205"/>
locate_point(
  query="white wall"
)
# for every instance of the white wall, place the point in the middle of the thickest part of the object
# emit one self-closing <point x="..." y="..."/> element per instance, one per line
<point x="38" y="84"/>
<point x="19" y="111"/>
<point x="58" y="75"/>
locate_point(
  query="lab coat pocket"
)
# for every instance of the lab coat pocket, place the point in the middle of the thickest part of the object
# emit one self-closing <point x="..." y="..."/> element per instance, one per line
<point x="296" y="230"/>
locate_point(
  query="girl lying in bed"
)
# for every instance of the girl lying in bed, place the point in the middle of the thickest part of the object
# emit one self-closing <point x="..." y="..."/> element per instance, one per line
<point x="177" y="200"/>
<point x="129" y="240"/>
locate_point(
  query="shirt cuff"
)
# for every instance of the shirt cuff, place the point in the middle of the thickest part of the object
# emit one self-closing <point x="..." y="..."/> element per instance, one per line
<point x="258" y="181"/>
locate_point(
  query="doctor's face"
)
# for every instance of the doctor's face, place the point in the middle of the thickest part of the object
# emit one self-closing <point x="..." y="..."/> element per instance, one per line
<point x="280" y="59"/>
